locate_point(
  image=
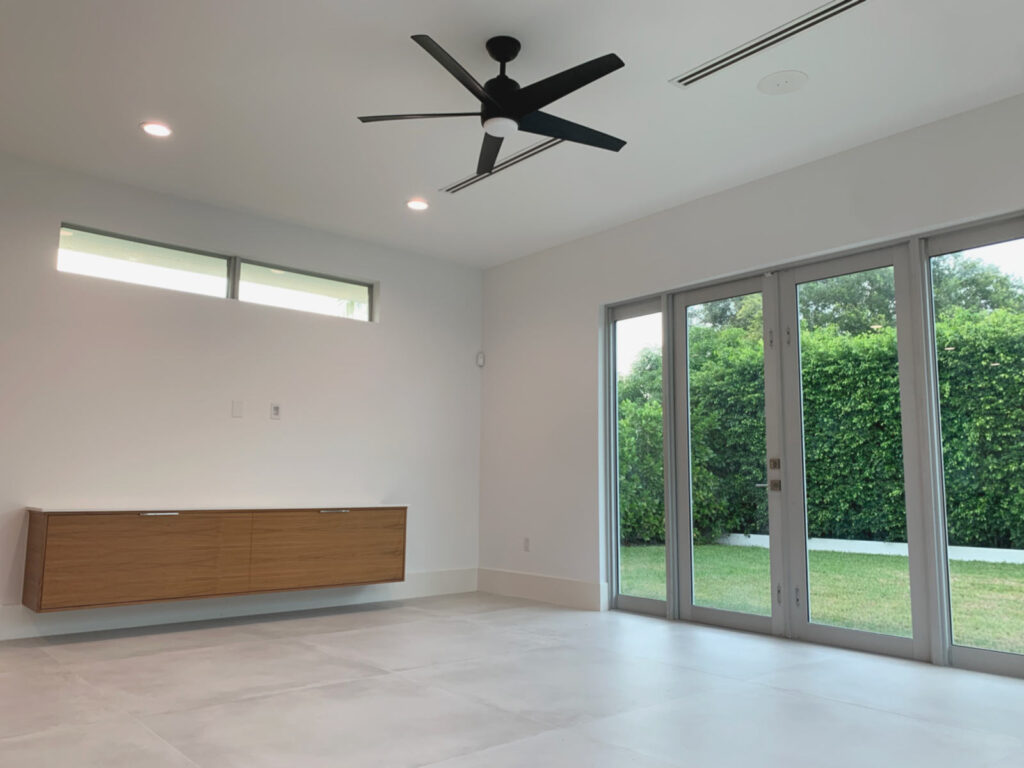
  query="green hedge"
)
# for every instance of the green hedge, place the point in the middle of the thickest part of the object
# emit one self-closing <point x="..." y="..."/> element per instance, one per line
<point x="852" y="433"/>
<point x="981" y="388"/>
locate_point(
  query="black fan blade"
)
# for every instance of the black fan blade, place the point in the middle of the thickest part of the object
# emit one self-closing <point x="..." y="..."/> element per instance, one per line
<point x="538" y="95"/>
<point x="379" y="118"/>
<point x="544" y="124"/>
<point x="457" y="70"/>
<point x="488" y="153"/>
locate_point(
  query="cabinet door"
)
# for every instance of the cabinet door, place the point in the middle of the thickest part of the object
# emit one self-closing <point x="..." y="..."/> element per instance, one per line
<point x="320" y="548"/>
<point x="106" y="559"/>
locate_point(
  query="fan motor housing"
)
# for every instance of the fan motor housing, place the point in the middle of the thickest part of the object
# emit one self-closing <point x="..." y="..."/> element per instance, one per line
<point x="501" y="88"/>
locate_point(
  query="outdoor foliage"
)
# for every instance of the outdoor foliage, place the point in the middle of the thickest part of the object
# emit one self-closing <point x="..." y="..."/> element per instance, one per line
<point x="641" y="475"/>
<point x="851" y="413"/>
<point x="726" y="383"/>
<point x="981" y="388"/>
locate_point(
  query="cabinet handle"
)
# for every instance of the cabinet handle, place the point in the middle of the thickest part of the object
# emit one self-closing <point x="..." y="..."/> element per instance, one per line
<point x="158" y="514"/>
<point x="334" y="511"/>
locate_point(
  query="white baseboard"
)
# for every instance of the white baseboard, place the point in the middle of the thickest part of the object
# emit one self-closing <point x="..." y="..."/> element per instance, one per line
<point x="571" y="593"/>
<point x="17" y="621"/>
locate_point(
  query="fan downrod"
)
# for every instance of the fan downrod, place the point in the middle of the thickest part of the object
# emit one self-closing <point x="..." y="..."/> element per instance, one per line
<point x="503" y="48"/>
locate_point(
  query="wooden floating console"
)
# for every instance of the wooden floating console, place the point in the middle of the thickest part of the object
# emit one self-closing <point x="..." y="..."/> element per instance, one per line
<point x="79" y="559"/>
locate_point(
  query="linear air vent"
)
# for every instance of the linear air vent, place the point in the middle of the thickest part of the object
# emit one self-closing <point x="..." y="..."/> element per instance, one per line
<point x="786" y="31"/>
<point x="518" y="157"/>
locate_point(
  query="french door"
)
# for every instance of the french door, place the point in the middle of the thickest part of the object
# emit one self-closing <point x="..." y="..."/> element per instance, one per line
<point x="833" y="451"/>
<point x="843" y="487"/>
<point x="726" y="541"/>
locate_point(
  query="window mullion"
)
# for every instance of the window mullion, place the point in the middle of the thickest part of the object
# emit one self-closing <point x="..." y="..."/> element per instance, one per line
<point x="234" y="272"/>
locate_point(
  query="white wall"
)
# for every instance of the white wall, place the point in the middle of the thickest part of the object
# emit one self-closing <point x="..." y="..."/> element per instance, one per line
<point x="542" y="468"/>
<point x="115" y="395"/>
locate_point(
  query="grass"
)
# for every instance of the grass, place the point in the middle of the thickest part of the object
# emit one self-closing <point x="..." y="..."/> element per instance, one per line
<point x="869" y="592"/>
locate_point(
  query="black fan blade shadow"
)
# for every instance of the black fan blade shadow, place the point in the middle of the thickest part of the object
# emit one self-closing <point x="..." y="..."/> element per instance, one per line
<point x="380" y="118"/>
<point x="544" y="124"/>
<point x="457" y="70"/>
<point x="538" y="95"/>
<point x="488" y="153"/>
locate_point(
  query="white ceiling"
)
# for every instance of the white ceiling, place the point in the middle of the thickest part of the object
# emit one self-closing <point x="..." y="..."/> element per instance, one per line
<point x="263" y="96"/>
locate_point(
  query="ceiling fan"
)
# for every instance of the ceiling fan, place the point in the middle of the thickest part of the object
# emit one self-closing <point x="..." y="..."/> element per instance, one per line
<point x="506" y="108"/>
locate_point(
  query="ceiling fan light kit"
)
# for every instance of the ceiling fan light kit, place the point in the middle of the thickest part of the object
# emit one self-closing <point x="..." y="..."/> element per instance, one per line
<point x="506" y="108"/>
<point x="502" y="127"/>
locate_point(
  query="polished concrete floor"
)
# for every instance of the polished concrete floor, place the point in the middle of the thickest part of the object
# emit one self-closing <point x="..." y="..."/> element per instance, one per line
<point x="473" y="680"/>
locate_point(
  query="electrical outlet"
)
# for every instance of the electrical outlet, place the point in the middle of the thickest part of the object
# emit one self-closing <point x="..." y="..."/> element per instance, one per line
<point x="275" y="411"/>
<point x="526" y="544"/>
<point x="237" y="409"/>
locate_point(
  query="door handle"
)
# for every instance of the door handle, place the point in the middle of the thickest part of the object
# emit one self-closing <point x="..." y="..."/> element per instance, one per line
<point x="158" y="514"/>
<point x="334" y="511"/>
<point x="760" y="485"/>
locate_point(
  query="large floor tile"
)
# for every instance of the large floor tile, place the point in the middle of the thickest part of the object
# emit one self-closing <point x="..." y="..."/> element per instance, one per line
<point x="724" y="652"/>
<point x="555" y="749"/>
<point x="467" y="603"/>
<point x="426" y="643"/>
<point x="36" y="700"/>
<point x="474" y="680"/>
<point x="24" y="655"/>
<point x="384" y="722"/>
<point x="771" y="728"/>
<point x="942" y="695"/>
<point x="201" y="676"/>
<point x="551" y="620"/>
<point x="340" y="619"/>
<point x="564" y="685"/>
<point x="111" y="744"/>
<point x="139" y="641"/>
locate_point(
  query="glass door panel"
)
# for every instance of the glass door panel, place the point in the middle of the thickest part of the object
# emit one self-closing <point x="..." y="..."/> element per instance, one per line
<point x="978" y="298"/>
<point x="856" y="527"/>
<point x="728" y="487"/>
<point x="640" y="454"/>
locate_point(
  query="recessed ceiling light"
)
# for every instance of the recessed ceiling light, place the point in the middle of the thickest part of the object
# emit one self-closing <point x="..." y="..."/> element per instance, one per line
<point x="418" y="204"/>
<point x="153" y="128"/>
<point x="781" y="83"/>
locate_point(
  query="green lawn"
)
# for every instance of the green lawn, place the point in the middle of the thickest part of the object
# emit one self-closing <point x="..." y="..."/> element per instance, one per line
<point x="870" y="592"/>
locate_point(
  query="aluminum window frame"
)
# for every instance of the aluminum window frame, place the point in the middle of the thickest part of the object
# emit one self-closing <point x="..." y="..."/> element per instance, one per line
<point x="614" y="314"/>
<point x="233" y="270"/>
<point x="966" y="238"/>
<point x="370" y="286"/>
